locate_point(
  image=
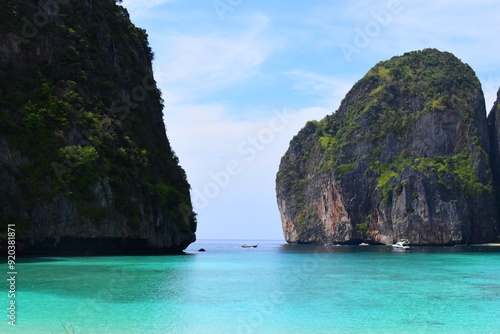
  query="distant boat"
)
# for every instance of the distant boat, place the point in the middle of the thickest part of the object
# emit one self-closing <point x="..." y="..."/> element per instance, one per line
<point x="249" y="246"/>
<point x="401" y="245"/>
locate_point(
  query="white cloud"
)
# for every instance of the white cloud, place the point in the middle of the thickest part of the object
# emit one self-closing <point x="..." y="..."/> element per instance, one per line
<point x="190" y="65"/>
<point x="144" y="4"/>
<point x="461" y="27"/>
<point x="207" y="137"/>
<point x="331" y="89"/>
<point x="146" y="13"/>
<point x="200" y="59"/>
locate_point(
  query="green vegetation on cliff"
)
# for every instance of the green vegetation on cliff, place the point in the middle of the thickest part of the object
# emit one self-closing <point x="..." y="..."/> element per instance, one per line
<point x="453" y="173"/>
<point x="388" y="102"/>
<point x="81" y="109"/>
<point x="409" y="138"/>
<point x="393" y="96"/>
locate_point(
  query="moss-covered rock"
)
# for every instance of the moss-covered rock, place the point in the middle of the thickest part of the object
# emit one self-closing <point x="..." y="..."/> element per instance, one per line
<point x="494" y="130"/>
<point x="83" y="148"/>
<point x="404" y="156"/>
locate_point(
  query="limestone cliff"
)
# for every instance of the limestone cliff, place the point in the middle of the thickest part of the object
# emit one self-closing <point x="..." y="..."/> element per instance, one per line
<point x="494" y="129"/>
<point x="404" y="157"/>
<point x="85" y="163"/>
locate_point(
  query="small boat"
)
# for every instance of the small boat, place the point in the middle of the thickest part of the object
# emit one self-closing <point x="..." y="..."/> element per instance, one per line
<point x="401" y="245"/>
<point x="249" y="246"/>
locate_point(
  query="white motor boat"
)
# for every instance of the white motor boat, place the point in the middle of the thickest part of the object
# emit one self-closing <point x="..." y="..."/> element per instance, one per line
<point x="401" y="245"/>
<point x="249" y="246"/>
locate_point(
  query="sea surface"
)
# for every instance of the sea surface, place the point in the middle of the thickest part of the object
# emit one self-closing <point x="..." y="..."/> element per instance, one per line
<point x="274" y="288"/>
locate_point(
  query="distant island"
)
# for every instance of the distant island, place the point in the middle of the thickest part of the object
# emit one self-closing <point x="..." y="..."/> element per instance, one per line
<point x="85" y="163"/>
<point x="409" y="154"/>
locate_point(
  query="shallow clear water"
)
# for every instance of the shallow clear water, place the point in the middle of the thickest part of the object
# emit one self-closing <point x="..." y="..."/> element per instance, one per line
<point x="274" y="288"/>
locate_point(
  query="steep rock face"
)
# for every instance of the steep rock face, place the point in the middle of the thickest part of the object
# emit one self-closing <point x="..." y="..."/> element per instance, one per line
<point x="85" y="164"/>
<point x="405" y="156"/>
<point x="494" y="129"/>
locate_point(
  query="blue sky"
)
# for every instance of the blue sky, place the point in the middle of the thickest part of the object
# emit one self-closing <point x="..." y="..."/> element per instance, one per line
<point x="241" y="77"/>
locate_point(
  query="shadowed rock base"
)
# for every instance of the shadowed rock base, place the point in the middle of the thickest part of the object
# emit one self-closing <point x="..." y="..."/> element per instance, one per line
<point x="93" y="246"/>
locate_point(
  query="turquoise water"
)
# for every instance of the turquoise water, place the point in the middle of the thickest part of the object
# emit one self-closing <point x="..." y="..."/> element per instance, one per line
<point x="274" y="288"/>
